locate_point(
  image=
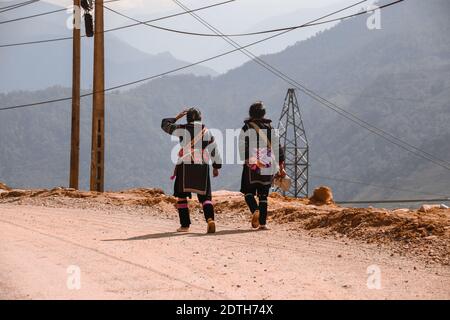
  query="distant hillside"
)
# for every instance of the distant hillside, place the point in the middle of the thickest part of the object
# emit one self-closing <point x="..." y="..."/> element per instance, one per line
<point x="194" y="47"/>
<point x="39" y="66"/>
<point x="396" y="78"/>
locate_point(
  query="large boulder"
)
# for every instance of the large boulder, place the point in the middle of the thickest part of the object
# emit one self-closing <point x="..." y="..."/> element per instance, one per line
<point x="322" y="195"/>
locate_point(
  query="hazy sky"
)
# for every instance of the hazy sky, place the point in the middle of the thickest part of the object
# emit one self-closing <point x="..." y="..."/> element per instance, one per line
<point x="235" y="17"/>
<point x="261" y="5"/>
<point x="251" y="8"/>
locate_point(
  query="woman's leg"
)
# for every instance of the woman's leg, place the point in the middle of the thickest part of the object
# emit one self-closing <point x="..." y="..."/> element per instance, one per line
<point x="208" y="211"/>
<point x="263" y="193"/>
<point x="251" y="202"/>
<point x="183" y="212"/>
<point x="208" y="207"/>
<point x="253" y="206"/>
<point x="262" y="209"/>
<point x="248" y="190"/>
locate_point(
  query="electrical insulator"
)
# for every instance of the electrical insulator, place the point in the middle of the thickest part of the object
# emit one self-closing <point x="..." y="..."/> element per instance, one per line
<point x="86" y="5"/>
<point x="89" y="25"/>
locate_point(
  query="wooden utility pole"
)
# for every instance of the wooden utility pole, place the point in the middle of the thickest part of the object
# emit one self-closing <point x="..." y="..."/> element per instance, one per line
<point x="98" y="103"/>
<point x="75" y="134"/>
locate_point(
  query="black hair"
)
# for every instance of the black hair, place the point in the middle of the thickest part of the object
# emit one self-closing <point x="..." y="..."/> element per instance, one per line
<point x="193" y="114"/>
<point x="257" y="110"/>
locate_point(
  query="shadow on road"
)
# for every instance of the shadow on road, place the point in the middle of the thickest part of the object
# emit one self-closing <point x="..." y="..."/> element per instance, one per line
<point x="222" y="232"/>
<point x="177" y="234"/>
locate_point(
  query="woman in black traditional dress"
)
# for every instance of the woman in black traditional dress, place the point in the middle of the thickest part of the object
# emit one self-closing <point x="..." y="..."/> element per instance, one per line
<point x="262" y="162"/>
<point x="192" y="168"/>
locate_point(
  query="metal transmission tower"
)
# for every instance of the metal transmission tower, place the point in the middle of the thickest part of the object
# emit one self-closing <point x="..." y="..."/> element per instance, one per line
<point x="295" y="144"/>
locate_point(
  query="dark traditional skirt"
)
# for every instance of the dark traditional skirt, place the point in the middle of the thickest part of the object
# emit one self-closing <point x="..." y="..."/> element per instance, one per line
<point x="192" y="178"/>
<point x="253" y="180"/>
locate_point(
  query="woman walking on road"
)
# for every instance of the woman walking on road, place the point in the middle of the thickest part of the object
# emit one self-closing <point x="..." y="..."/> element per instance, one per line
<point x="192" y="169"/>
<point x="262" y="162"/>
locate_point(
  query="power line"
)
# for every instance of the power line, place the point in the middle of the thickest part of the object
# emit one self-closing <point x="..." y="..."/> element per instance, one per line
<point x="112" y="29"/>
<point x="252" y="56"/>
<point x="391" y="138"/>
<point x="170" y="71"/>
<point x="64" y="99"/>
<point x="166" y="17"/>
<point x="67" y="99"/>
<point x="248" y="53"/>
<point x="380" y="132"/>
<point x="34" y="16"/>
<point x="147" y="23"/>
<point x="259" y="61"/>
<point x="12" y="5"/>
<point x="378" y="97"/>
<point x="209" y="59"/>
<point x="16" y="6"/>
<point x="34" y="42"/>
<point x="43" y="14"/>
<point x="291" y="28"/>
<point x="9" y="6"/>
<point x="139" y="22"/>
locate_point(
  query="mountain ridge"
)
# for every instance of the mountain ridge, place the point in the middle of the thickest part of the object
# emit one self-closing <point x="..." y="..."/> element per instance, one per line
<point x="402" y="60"/>
<point x="54" y="64"/>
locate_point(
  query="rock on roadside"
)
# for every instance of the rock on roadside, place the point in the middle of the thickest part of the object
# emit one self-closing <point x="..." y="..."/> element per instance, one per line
<point x="429" y="207"/>
<point x="4" y="187"/>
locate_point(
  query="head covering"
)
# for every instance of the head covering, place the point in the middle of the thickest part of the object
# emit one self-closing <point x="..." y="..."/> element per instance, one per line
<point x="257" y="110"/>
<point x="193" y="114"/>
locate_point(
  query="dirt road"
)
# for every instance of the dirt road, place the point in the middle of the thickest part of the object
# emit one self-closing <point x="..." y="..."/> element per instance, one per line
<point x="131" y="255"/>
